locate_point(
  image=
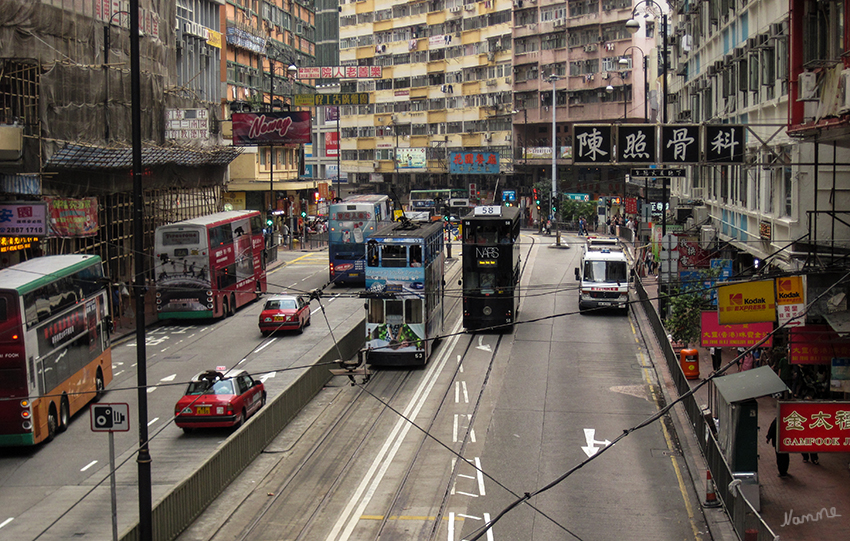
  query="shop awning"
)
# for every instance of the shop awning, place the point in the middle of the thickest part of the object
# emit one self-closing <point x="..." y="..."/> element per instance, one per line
<point x="83" y="157"/>
<point x="761" y="381"/>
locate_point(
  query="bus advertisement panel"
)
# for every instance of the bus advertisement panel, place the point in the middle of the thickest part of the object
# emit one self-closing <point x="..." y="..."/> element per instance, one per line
<point x="209" y="266"/>
<point x="55" y="355"/>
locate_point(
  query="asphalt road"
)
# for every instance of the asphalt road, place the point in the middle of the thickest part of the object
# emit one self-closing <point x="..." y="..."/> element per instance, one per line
<point x="505" y="416"/>
<point x="66" y="477"/>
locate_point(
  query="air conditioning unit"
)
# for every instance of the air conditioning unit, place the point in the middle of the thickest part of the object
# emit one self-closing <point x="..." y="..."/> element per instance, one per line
<point x="374" y="165"/>
<point x="844" y="92"/>
<point x="488" y="136"/>
<point x="469" y="7"/>
<point x="491" y="82"/>
<point x="707" y="233"/>
<point x="604" y="74"/>
<point x="455" y="9"/>
<point x="590" y="47"/>
<point x="508" y="80"/>
<point x="560" y="22"/>
<point x="700" y="214"/>
<point x="808" y="86"/>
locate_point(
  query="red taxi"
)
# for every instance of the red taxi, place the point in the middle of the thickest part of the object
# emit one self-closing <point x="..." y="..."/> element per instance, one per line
<point x="215" y="399"/>
<point x="284" y="312"/>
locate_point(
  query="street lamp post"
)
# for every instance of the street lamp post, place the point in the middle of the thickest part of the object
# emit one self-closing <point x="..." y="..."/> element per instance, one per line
<point x="632" y="25"/>
<point x="553" y="79"/>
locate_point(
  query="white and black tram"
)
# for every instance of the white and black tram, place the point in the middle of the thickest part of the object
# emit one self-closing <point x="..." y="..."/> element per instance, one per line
<point x="491" y="268"/>
<point x="404" y="293"/>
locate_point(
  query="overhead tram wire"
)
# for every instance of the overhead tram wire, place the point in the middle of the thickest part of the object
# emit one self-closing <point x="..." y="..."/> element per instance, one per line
<point x="652" y="418"/>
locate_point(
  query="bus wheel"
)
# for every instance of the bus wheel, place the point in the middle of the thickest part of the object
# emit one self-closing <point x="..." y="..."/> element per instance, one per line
<point x="225" y="309"/>
<point x="51" y="423"/>
<point x="232" y="305"/>
<point x="64" y="415"/>
<point x="99" y="385"/>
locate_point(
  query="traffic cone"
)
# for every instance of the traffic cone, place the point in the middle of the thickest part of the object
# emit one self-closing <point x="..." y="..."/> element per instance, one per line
<point x="710" y="494"/>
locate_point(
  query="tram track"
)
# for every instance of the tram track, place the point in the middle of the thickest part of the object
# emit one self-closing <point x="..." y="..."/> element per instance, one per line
<point x="389" y="385"/>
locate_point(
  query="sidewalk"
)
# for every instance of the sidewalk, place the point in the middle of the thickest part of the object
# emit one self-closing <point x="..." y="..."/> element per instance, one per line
<point x="808" y="489"/>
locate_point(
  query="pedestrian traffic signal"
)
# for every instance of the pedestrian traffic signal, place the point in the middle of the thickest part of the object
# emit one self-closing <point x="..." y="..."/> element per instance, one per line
<point x="303" y="213"/>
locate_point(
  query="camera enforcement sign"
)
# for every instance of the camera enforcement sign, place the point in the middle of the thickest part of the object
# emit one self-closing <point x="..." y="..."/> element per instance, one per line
<point x="110" y="417"/>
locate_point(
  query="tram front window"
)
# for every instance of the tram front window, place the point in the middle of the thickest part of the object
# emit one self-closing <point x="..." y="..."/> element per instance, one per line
<point x="395" y="312"/>
<point x="413" y="310"/>
<point x="376" y="311"/>
<point x="483" y="281"/>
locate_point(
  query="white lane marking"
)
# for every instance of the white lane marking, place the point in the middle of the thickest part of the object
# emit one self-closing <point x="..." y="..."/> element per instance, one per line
<point x="465" y="392"/>
<point x="451" y="536"/>
<point x="293" y="284"/>
<point x="454" y="429"/>
<point x="119" y="363"/>
<point x="466" y="476"/>
<point x="471" y="517"/>
<point x="117" y="373"/>
<point x="480" y="477"/>
<point x="363" y="495"/>
<point x="460" y="364"/>
<point x="457" y="392"/>
<point x="481" y="345"/>
<point x="89" y="465"/>
<point x="191" y="335"/>
<point x="489" y="530"/>
<point x="264" y="346"/>
<point x="163" y="350"/>
<point x="169" y="378"/>
<point x="7" y="521"/>
<point x="468" y="494"/>
<point x="151" y="389"/>
<point x="152" y="421"/>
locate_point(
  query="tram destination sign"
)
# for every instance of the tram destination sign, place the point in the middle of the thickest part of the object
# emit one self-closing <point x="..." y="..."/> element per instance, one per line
<point x="660" y="173"/>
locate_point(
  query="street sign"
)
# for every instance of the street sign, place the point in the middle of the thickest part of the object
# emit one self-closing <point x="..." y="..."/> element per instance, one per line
<point x="578" y="196"/>
<point x="110" y="417"/>
<point x="314" y="100"/>
<point x="665" y="173"/>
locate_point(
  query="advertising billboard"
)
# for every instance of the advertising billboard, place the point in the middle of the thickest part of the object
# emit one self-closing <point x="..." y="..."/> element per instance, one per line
<point x="275" y="128"/>
<point x="747" y="302"/>
<point x="410" y="158"/>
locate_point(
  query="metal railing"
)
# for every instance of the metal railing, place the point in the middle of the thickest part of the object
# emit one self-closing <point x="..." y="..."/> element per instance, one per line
<point x="745" y="519"/>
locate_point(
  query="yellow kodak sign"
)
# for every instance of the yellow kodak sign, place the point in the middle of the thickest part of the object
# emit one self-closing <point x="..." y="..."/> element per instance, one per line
<point x="749" y="302"/>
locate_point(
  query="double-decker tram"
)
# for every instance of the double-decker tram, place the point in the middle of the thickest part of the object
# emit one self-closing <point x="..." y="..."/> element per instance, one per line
<point x="55" y="355"/>
<point x="404" y="292"/>
<point x="452" y="201"/>
<point x="491" y="268"/>
<point x="350" y="223"/>
<point x="209" y="266"/>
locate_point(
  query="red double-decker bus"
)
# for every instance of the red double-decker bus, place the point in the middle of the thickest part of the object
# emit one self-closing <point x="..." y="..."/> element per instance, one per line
<point x="208" y="267"/>
<point x="55" y="355"/>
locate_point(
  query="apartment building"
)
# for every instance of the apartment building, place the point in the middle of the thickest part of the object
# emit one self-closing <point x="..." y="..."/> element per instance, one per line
<point x="780" y="73"/>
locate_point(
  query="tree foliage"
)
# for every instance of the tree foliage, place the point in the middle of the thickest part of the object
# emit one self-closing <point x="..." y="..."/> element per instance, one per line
<point x="686" y="304"/>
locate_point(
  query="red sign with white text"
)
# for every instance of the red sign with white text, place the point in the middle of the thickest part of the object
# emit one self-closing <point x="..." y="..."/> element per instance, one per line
<point x="715" y="335"/>
<point x="815" y="344"/>
<point x="813" y="427"/>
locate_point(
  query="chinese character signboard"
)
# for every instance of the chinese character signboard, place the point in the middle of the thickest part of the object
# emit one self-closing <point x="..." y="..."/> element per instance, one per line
<point x="282" y="128"/>
<point x="591" y="144"/>
<point x="13" y="244"/>
<point x="813" y="427"/>
<point x="187" y="124"/>
<point x="339" y="72"/>
<point x="73" y="217"/>
<point x="815" y="344"/>
<point x="23" y="219"/>
<point x="715" y="335"/>
<point x="314" y="100"/>
<point x="410" y="158"/>
<point x="636" y="144"/>
<point x="472" y="163"/>
<point x="680" y="143"/>
<point x="791" y="300"/>
<point x="331" y="144"/>
<point x="748" y="302"/>
<point x="724" y="143"/>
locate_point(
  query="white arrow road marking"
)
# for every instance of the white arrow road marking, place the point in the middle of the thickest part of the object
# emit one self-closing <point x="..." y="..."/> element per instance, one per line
<point x="591" y="448"/>
<point x="264" y="377"/>
<point x="169" y="378"/>
<point x="89" y="465"/>
<point x="7" y="521"/>
<point x="482" y="346"/>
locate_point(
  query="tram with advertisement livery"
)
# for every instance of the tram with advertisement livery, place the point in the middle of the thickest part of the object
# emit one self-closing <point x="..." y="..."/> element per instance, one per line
<point x="405" y="266"/>
<point x="491" y="268"/>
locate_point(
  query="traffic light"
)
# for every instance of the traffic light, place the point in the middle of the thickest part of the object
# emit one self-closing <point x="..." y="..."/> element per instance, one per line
<point x="316" y="196"/>
<point x="536" y="198"/>
<point x="303" y="213"/>
<point x="269" y="219"/>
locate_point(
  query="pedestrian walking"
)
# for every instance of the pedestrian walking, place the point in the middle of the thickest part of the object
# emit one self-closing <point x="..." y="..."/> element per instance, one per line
<point x="285" y="232"/>
<point x="716" y="358"/>
<point x="782" y="459"/>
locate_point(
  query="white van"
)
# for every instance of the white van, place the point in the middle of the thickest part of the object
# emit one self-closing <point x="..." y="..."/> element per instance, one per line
<point x="604" y="277"/>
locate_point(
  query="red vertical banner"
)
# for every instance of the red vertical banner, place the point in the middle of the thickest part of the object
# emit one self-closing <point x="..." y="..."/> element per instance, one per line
<point x="631" y="205"/>
<point x="331" y="144"/>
